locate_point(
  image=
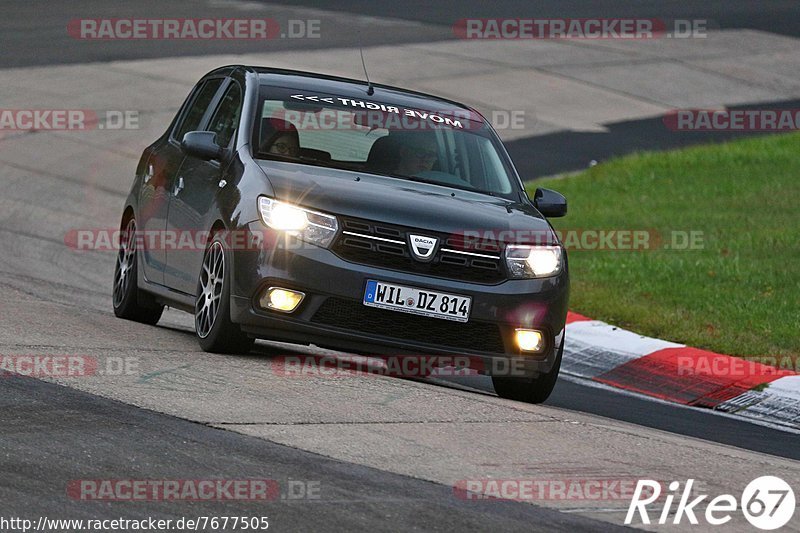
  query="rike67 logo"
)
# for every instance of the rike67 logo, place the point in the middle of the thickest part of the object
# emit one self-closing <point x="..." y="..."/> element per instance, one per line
<point x="768" y="502"/>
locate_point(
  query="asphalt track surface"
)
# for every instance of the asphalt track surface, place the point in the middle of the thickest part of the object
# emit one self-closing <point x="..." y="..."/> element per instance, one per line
<point x="52" y="434"/>
<point x="775" y="16"/>
<point x="31" y="36"/>
<point x="90" y="437"/>
<point x="573" y="395"/>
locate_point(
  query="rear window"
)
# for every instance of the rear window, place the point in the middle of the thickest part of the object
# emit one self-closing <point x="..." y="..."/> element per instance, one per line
<point x="454" y="149"/>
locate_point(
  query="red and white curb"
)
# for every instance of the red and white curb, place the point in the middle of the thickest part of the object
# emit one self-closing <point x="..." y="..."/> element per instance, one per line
<point x="677" y="373"/>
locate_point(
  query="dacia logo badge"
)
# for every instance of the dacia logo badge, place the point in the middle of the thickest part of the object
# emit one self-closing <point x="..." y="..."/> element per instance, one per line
<point x="422" y="247"/>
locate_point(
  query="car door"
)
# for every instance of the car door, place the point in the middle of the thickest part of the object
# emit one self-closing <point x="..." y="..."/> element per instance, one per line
<point x="158" y="182"/>
<point x="197" y="184"/>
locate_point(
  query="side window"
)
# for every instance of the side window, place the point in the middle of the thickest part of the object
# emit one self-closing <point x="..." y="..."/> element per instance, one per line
<point x="226" y="117"/>
<point x="198" y="108"/>
<point x="493" y="169"/>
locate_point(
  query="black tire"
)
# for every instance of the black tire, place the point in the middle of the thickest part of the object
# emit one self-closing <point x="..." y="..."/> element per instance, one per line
<point x="129" y="302"/>
<point x="212" y="316"/>
<point x="529" y="390"/>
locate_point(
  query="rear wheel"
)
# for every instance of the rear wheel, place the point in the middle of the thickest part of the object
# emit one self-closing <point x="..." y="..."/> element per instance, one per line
<point x="129" y="302"/>
<point x="212" y="311"/>
<point x="530" y="390"/>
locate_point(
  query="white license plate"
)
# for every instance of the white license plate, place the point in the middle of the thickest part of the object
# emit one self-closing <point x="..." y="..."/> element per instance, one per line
<point x="417" y="301"/>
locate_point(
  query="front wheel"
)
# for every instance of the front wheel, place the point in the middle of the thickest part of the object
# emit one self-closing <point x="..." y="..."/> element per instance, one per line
<point x="529" y="390"/>
<point x="129" y="302"/>
<point x="212" y="311"/>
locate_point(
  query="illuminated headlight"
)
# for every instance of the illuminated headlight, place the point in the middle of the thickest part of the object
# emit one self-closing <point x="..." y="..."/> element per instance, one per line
<point x="310" y="226"/>
<point x="533" y="261"/>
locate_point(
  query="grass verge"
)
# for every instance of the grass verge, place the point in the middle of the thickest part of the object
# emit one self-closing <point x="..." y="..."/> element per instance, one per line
<point x="739" y="292"/>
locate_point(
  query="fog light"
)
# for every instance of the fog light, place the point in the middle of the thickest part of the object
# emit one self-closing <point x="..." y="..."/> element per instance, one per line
<point x="283" y="300"/>
<point x="530" y="340"/>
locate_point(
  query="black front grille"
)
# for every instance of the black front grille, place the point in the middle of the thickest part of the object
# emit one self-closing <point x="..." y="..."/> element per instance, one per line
<point x="353" y="315"/>
<point x="385" y="246"/>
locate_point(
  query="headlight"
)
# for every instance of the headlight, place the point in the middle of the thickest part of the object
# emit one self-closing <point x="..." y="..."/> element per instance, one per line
<point x="310" y="226"/>
<point x="533" y="261"/>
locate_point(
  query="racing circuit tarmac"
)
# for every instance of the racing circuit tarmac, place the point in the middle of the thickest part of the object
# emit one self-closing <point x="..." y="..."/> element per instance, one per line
<point x="386" y="452"/>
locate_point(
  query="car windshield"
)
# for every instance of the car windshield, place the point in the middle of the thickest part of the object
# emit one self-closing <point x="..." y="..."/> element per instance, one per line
<point x="454" y="149"/>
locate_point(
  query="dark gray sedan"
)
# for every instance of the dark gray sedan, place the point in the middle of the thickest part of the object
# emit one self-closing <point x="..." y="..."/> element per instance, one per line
<point x="306" y="208"/>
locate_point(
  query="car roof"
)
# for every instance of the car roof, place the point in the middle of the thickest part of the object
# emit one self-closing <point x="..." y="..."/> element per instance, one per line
<point x="352" y="88"/>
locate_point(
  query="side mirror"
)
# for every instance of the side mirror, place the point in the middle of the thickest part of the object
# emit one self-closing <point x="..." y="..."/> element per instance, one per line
<point x="202" y="145"/>
<point x="550" y="203"/>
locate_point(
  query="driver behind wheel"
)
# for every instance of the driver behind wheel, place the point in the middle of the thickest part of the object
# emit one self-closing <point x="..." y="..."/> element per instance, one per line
<point x="279" y="137"/>
<point x="417" y="154"/>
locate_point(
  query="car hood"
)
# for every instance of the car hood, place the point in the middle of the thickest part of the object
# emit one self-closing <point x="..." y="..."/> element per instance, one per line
<point x="402" y="202"/>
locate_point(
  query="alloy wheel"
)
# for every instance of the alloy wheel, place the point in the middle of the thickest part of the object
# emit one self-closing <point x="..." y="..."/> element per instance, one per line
<point x="126" y="258"/>
<point x="212" y="277"/>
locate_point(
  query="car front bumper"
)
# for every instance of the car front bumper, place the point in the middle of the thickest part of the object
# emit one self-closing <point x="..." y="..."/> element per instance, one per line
<point x="332" y="315"/>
